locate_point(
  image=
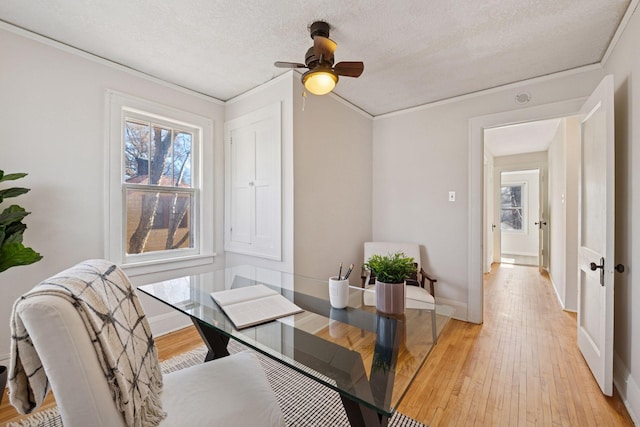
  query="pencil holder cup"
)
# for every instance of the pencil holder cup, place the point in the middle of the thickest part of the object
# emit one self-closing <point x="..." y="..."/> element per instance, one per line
<point x="338" y="292"/>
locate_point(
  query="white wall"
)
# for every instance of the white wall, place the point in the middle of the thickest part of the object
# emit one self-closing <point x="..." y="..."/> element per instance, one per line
<point x="333" y="173"/>
<point x="624" y="64"/>
<point x="52" y="116"/>
<point x="572" y="148"/>
<point x="523" y="242"/>
<point x="557" y="212"/>
<point x="563" y="211"/>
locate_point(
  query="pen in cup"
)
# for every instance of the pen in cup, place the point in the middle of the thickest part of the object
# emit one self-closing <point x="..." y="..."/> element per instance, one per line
<point x="346" y="276"/>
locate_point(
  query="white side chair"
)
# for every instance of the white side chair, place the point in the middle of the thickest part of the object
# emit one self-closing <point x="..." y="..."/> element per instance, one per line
<point x="231" y="391"/>
<point x="415" y="294"/>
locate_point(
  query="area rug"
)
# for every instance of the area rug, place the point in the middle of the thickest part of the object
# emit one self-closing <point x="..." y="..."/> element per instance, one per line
<point x="304" y="402"/>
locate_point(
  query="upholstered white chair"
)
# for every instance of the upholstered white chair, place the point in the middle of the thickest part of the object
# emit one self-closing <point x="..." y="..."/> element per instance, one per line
<point x="231" y="391"/>
<point x="415" y="294"/>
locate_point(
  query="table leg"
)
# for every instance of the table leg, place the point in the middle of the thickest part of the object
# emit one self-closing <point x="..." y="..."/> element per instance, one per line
<point x="434" y="331"/>
<point x="362" y="416"/>
<point x="215" y="341"/>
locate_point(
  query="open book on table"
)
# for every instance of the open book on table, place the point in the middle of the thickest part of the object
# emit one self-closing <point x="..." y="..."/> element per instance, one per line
<point x="252" y="305"/>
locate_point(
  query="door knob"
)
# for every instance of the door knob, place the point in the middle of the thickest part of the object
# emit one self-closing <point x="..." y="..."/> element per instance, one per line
<point x="593" y="266"/>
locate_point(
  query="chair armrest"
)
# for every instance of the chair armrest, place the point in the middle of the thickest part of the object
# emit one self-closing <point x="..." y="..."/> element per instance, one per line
<point x="425" y="277"/>
<point x="364" y="275"/>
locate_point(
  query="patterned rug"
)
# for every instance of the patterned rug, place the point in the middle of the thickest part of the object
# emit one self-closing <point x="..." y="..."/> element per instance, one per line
<point x="304" y="402"/>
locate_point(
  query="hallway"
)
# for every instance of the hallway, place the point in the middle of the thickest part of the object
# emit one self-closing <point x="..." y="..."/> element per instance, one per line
<point x="521" y="367"/>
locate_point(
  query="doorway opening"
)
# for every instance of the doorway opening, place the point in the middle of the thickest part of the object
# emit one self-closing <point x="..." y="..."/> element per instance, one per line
<point x="594" y="136"/>
<point x="481" y="202"/>
<point x="516" y="192"/>
<point x="519" y="216"/>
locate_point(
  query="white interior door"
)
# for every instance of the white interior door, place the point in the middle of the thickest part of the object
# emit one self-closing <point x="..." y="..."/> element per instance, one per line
<point x="595" y="235"/>
<point x="542" y="222"/>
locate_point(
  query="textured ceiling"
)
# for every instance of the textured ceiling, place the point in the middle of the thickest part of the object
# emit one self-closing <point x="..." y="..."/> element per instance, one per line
<point x="415" y="51"/>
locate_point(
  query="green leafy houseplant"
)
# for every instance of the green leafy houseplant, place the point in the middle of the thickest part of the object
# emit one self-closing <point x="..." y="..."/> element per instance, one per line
<point x="12" y="251"/>
<point x="392" y="268"/>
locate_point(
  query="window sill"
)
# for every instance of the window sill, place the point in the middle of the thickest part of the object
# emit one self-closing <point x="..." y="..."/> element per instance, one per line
<point x="134" y="269"/>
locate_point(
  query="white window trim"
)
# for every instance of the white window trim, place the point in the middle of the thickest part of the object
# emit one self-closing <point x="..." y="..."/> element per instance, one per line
<point x="525" y="207"/>
<point x="119" y="105"/>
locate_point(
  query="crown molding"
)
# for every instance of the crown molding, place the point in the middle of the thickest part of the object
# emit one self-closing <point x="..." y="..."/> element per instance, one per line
<point x="4" y="25"/>
<point x="496" y="89"/>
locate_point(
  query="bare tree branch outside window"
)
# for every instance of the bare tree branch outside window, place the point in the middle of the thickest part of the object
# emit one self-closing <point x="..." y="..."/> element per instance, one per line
<point x="511" y="209"/>
<point x="158" y="162"/>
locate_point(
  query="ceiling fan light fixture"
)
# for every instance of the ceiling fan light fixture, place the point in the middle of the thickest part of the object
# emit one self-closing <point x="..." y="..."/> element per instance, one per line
<point x="319" y="82"/>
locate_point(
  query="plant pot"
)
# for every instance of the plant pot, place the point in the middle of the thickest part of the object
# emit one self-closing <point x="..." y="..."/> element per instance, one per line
<point x="3" y="381"/>
<point x="390" y="297"/>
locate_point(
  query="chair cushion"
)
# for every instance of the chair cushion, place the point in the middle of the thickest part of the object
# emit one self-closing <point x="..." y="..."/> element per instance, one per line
<point x="231" y="391"/>
<point x="417" y="296"/>
<point x="214" y="393"/>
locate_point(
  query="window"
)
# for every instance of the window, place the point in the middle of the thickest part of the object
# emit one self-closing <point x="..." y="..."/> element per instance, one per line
<point x="158" y="211"/>
<point x="158" y="190"/>
<point x="511" y="207"/>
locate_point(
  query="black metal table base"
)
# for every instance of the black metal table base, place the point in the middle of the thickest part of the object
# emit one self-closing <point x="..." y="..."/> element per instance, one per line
<point x="362" y="416"/>
<point x="216" y="342"/>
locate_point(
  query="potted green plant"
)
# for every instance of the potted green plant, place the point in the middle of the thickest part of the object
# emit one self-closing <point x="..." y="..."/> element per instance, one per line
<point x="12" y="250"/>
<point x="391" y="271"/>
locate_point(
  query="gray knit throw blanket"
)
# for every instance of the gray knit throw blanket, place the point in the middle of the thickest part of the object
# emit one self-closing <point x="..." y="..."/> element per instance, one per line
<point x="119" y="330"/>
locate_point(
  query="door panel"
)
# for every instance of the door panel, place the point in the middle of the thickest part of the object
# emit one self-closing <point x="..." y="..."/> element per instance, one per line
<point x="253" y="184"/>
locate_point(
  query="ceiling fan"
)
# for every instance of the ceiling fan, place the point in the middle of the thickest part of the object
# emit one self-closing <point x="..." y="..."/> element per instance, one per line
<point x="322" y="75"/>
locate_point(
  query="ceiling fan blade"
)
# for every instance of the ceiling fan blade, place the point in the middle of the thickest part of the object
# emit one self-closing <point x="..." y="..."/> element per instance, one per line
<point x="323" y="46"/>
<point x="349" y="68"/>
<point x="282" y="64"/>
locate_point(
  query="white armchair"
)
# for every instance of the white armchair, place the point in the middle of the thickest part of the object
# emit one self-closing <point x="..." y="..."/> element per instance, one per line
<point x="419" y="292"/>
<point x="231" y="391"/>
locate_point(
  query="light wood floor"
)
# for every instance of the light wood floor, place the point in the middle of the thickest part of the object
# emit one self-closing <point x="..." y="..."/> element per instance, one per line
<point x="520" y="368"/>
<point x="518" y="259"/>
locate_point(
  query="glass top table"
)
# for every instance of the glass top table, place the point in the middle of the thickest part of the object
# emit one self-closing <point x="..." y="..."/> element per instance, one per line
<point x="368" y="357"/>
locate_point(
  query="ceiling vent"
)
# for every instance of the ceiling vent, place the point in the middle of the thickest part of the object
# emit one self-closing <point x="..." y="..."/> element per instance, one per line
<point x="523" y="98"/>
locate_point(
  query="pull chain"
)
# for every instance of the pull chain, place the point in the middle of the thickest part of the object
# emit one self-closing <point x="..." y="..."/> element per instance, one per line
<point x="304" y="99"/>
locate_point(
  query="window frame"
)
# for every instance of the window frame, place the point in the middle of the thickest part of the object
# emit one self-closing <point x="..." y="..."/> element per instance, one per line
<point x="523" y="206"/>
<point x="119" y="108"/>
